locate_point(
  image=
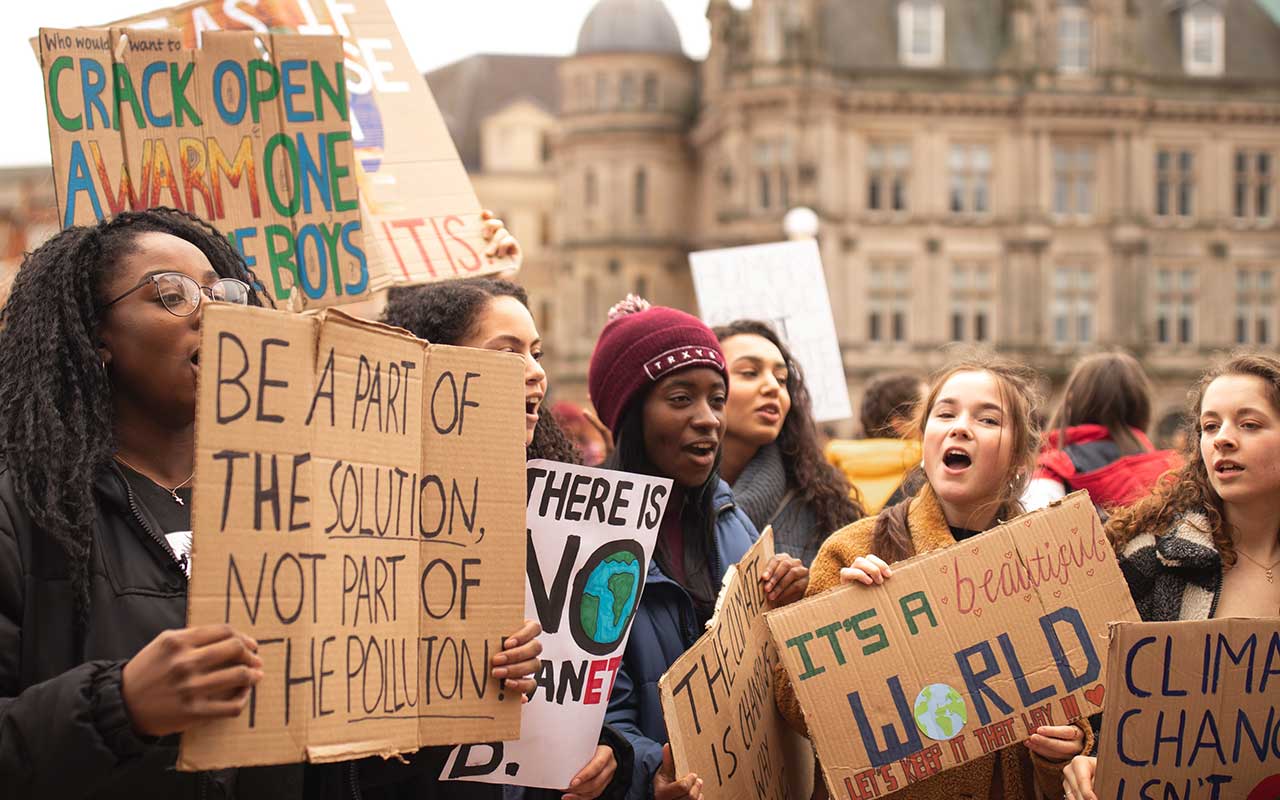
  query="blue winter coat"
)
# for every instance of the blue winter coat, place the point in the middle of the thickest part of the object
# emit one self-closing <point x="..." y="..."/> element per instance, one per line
<point x="664" y="627"/>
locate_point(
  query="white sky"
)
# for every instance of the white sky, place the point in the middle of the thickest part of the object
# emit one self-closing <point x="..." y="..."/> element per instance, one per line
<point x="437" y="33"/>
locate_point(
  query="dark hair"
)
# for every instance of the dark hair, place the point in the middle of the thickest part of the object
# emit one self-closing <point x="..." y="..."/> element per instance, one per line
<point x="447" y="313"/>
<point x="888" y="402"/>
<point x="1189" y="489"/>
<point x="697" y="515"/>
<point x="820" y="485"/>
<point x="56" y="414"/>
<point x="1107" y="389"/>
<point x="1019" y="394"/>
<point x="1169" y="427"/>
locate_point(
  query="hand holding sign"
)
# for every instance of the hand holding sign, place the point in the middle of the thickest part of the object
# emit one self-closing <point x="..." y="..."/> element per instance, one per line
<point x="519" y="659"/>
<point x="665" y="785"/>
<point x="187" y="676"/>
<point x="594" y="778"/>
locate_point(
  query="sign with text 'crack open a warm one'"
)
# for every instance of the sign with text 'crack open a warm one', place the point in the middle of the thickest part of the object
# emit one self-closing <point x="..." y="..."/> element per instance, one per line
<point x="963" y="652"/>
<point x="1193" y="711"/>
<point x="250" y="132"/>
<point x="359" y="511"/>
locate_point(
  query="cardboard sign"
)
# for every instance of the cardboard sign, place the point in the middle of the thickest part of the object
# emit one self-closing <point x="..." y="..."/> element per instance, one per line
<point x="420" y="213"/>
<point x="591" y="534"/>
<point x="782" y="284"/>
<point x="964" y="651"/>
<point x="358" y="511"/>
<point x="717" y="698"/>
<point x="250" y="132"/>
<point x="1192" y="711"/>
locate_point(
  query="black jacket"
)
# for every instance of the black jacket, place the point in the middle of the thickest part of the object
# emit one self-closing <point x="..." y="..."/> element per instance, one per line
<point x="64" y="730"/>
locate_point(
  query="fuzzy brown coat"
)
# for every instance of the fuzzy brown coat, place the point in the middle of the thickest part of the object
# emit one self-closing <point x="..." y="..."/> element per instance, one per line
<point x="1012" y="773"/>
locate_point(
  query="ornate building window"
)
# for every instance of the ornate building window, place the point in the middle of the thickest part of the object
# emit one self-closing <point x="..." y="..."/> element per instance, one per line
<point x="1254" y="176"/>
<point x="920" y="33"/>
<point x="972" y="302"/>
<point x="1072" y="306"/>
<point x="773" y="159"/>
<point x="888" y="171"/>
<point x="602" y="92"/>
<point x="1175" y="306"/>
<point x="1073" y="180"/>
<point x="1255" y="307"/>
<point x="650" y="91"/>
<point x="1203" y="38"/>
<point x="590" y="191"/>
<point x="970" y="191"/>
<point x="640" y="198"/>
<point x="889" y="301"/>
<point x="1175" y="183"/>
<point x="1075" y="37"/>
<point x="628" y="97"/>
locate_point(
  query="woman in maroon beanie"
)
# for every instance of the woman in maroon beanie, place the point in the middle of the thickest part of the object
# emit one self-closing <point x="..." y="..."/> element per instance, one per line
<point x="658" y="381"/>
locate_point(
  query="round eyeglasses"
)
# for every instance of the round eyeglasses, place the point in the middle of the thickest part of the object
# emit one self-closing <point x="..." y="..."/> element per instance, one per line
<point x="181" y="295"/>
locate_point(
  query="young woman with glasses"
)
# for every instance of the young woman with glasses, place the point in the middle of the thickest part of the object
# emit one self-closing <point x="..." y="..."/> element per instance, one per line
<point x="99" y="355"/>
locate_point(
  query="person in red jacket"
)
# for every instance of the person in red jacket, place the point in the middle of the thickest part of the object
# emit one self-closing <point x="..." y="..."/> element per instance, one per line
<point x="1097" y="439"/>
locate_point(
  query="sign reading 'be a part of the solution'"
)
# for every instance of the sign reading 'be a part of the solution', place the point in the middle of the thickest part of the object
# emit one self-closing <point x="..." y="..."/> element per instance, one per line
<point x="359" y="511"/>
<point x="964" y="651"/>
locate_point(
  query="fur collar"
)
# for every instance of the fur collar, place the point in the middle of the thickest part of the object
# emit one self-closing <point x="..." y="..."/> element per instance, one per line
<point x="1185" y="545"/>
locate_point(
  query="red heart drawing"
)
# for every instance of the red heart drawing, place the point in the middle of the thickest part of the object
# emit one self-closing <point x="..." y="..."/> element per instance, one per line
<point x="977" y="612"/>
<point x="1057" y="593"/>
<point x="975" y="550"/>
<point x="1101" y="542"/>
<point x="1027" y="524"/>
<point x="945" y="600"/>
<point x="944" y="569"/>
<point x="1095" y="694"/>
<point x="1008" y="554"/>
<point x="1089" y="573"/>
<point x="1026" y="598"/>
<point x="1075" y="530"/>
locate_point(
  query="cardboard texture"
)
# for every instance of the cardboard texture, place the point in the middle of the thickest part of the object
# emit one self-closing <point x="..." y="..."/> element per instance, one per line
<point x="964" y="651"/>
<point x="717" y="698"/>
<point x="357" y="510"/>
<point x="420" y="214"/>
<point x="591" y="534"/>
<point x="1192" y="711"/>
<point x="782" y="284"/>
<point x="249" y="132"/>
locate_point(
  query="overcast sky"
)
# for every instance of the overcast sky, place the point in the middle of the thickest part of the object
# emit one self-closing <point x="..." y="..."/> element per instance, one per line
<point x="437" y="33"/>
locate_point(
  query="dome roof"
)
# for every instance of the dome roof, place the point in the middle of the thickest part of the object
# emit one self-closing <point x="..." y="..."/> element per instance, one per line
<point x="629" y="26"/>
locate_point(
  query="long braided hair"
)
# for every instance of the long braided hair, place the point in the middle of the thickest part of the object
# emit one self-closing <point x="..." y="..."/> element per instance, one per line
<point x="448" y="312"/>
<point x="56" y="413"/>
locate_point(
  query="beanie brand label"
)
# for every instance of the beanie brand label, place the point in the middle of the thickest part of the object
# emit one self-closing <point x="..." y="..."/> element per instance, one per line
<point x="680" y="357"/>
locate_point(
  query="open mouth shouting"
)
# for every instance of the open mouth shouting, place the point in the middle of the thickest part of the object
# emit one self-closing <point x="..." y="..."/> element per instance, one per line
<point x="532" y="402"/>
<point x="702" y="451"/>
<point x="769" y="413"/>
<point x="1226" y="469"/>
<point x="956" y="460"/>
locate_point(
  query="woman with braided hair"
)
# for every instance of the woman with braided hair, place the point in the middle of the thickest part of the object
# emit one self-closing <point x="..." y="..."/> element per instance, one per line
<point x="99" y="356"/>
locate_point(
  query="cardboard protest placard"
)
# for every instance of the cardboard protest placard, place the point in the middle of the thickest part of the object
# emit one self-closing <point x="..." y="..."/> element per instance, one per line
<point x="782" y="284"/>
<point x="717" y="698"/>
<point x="249" y="132"/>
<point x="964" y="651"/>
<point x="1192" y="711"/>
<point x="591" y="534"/>
<point x="358" y="511"/>
<point x="421" y="216"/>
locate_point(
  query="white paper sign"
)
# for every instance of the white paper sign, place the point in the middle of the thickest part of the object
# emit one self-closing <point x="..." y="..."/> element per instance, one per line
<point x="591" y="535"/>
<point x="782" y="284"/>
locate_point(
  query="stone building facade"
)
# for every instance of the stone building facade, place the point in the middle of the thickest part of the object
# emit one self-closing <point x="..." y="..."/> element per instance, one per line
<point x="1047" y="177"/>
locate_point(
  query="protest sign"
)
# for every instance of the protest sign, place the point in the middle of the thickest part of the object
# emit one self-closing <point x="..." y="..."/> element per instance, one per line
<point x="1192" y="711"/>
<point x="357" y="510"/>
<point x="250" y="132"/>
<point x="964" y="651"/>
<point x="717" y="698"/>
<point x="591" y="534"/>
<point x="782" y="284"/>
<point x="421" y="216"/>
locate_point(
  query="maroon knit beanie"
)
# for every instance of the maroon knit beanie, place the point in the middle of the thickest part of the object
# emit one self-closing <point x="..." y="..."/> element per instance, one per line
<point x="641" y="345"/>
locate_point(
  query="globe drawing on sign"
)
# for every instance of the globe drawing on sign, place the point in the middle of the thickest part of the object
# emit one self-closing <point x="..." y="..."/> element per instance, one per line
<point x="940" y="712"/>
<point x="606" y="594"/>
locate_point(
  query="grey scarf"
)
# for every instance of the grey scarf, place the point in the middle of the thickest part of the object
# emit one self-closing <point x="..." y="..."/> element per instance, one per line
<point x="761" y="493"/>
